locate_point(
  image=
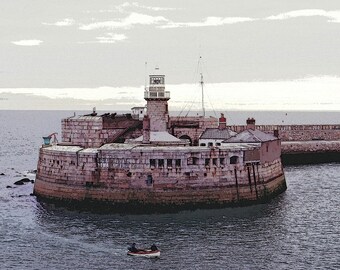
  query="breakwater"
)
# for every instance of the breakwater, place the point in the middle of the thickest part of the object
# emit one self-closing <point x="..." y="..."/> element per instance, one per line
<point x="310" y="152"/>
<point x="304" y="144"/>
<point x="298" y="132"/>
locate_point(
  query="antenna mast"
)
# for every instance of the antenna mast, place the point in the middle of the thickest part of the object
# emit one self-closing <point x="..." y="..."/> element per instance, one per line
<point x="145" y="75"/>
<point x="202" y="84"/>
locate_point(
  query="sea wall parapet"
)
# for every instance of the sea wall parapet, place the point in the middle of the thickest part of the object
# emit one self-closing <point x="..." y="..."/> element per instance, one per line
<point x="292" y="147"/>
<point x="298" y="132"/>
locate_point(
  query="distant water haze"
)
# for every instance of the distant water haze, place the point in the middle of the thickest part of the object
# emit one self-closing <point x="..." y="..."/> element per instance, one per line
<point x="310" y="94"/>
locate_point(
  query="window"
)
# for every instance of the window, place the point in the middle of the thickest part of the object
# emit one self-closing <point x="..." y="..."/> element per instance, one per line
<point x="210" y="144"/>
<point x="152" y="163"/>
<point x="178" y="163"/>
<point x="169" y="163"/>
<point x="218" y="144"/>
<point x="207" y="162"/>
<point x="149" y="180"/>
<point x="234" y="160"/>
<point x="192" y="161"/>
<point x="214" y="161"/>
<point x="160" y="163"/>
<point x="203" y="144"/>
<point x="222" y="161"/>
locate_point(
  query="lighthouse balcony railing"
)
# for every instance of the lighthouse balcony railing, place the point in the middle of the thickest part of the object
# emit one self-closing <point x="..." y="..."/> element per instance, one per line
<point x="156" y="94"/>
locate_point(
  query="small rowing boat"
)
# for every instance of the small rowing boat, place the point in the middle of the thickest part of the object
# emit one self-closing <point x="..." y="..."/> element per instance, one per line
<point x="148" y="253"/>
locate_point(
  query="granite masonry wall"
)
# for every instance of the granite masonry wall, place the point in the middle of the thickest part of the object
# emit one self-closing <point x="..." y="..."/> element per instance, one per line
<point x="151" y="175"/>
<point x="310" y="147"/>
<point x="157" y="111"/>
<point x="191" y="127"/>
<point x="94" y="131"/>
<point x="298" y="132"/>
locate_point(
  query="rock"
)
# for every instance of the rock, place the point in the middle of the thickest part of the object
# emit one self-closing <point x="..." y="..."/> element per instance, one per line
<point x="2" y="174"/>
<point x="19" y="183"/>
<point x="22" y="181"/>
<point x="25" y="180"/>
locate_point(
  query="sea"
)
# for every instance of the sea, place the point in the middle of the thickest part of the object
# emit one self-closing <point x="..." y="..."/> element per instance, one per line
<point x="300" y="229"/>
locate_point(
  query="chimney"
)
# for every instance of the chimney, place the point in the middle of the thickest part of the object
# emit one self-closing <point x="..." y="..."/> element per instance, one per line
<point x="251" y="123"/>
<point x="222" y="122"/>
<point x="146" y="129"/>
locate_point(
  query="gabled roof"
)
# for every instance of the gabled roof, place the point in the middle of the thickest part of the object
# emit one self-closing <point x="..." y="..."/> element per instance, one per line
<point x="250" y="135"/>
<point x="159" y="136"/>
<point x="215" y="133"/>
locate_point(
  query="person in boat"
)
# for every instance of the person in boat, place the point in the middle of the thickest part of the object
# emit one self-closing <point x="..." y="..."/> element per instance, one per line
<point x="154" y="247"/>
<point x="133" y="248"/>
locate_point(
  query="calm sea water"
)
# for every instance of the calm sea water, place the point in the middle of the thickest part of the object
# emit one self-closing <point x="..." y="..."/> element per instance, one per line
<point x="298" y="230"/>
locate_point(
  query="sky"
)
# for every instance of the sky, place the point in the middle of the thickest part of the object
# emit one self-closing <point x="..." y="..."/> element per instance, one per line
<point x="254" y="54"/>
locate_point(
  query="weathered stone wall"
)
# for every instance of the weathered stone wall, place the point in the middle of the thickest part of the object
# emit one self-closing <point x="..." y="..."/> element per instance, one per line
<point x="94" y="131"/>
<point x="192" y="127"/>
<point x="153" y="175"/>
<point x="270" y="151"/>
<point x="157" y="110"/>
<point x="310" y="147"/>
<point x="298" y="132"/>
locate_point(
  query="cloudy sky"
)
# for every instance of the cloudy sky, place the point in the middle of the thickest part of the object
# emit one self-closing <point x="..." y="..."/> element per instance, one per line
<point x="256" y="54"/>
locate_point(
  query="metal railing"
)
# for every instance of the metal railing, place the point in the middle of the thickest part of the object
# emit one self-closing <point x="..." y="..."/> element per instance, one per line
<point x="156" y="94"/>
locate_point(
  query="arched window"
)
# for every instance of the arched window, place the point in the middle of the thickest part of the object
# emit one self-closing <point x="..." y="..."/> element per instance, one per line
<point x="187" y="139"/>
<point x="234" y="160"/>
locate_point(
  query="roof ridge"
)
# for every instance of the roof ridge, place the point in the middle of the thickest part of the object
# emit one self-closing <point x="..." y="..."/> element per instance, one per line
<point x="256" y="136"/>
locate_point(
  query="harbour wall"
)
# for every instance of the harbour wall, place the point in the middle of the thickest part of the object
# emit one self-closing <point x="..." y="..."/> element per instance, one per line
<point x="120" y="178"/>
<point x="298" y="132"/>
<point x="310" y="152"/>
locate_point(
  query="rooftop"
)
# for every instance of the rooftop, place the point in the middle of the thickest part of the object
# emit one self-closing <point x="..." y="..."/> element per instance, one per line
<point x="251" y="136"/>
<point x="216" y="133"/>
<point x="180" y="148"/>
<point x="159" y="136"/>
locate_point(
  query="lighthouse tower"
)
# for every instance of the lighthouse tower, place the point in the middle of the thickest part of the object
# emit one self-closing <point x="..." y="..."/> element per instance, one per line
<point x="156" y="120"/>
<point x="157" y="103"/>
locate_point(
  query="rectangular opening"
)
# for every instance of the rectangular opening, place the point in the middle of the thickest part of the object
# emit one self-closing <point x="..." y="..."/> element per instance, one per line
<point x="169" y="163"/>
<point x="214" y="160"/>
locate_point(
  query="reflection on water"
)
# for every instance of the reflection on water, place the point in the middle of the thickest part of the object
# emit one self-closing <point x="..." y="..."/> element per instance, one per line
<point x="199" y="239"/>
